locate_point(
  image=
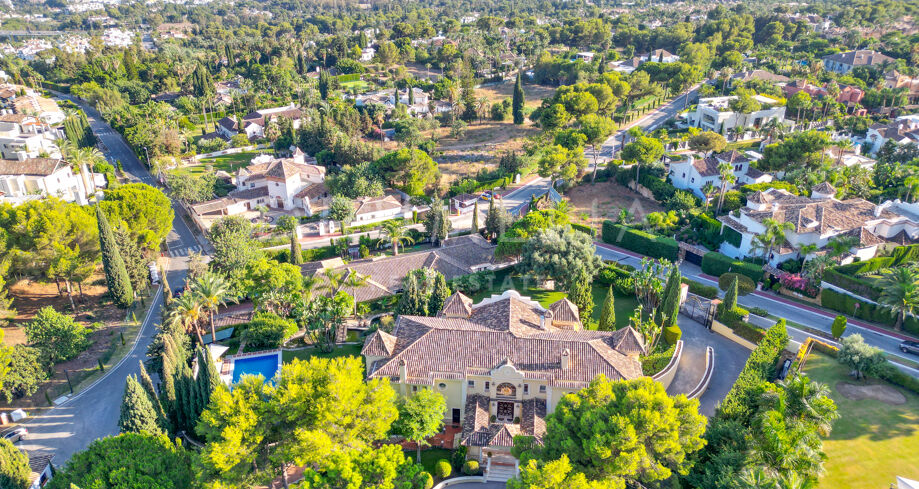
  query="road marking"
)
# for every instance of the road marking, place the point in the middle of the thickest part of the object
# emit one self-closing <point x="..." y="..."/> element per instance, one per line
<point x="184" y="251"/>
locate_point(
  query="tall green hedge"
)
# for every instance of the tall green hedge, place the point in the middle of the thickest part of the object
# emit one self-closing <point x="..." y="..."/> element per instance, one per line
<point x="732" y="236"/>
<point x="640" y="242"/>
<point x="851" y="283"/>
<point x="846" y="304"/>
<point x="740" y="403"/>
<point x="716" y="264"/>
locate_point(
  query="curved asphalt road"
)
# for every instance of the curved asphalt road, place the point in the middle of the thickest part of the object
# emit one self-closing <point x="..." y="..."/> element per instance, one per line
<point x="93" y="412"/>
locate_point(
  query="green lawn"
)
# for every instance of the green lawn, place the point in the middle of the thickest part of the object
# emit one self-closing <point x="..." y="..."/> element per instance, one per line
<point x="430" y="457"/>
<point x="227" y="163"/>
<point x="339" y="351"/>
<point x="361" y="86"/>
<point x="872" y="442"/>
<point x="625" y="305"/>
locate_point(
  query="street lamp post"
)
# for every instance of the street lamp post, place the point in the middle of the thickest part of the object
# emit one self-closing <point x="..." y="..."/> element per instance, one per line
<point x="67" y="374"/>
<point x="148" y="157"/>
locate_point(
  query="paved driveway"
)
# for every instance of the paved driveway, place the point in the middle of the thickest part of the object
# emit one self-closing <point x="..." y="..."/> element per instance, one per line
<point x="729" y="361"/>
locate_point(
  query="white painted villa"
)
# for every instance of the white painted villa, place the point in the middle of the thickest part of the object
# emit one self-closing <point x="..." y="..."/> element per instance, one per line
<point x="694" y="173"/>
<point x="715" y="114"/>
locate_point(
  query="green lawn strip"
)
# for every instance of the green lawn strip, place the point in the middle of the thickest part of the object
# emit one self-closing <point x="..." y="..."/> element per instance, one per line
<point x="430" y="457"/>
<point x="872" y="441"/>
<point x="307" y="353"/>
<point x="504" y="280"/>
<point x="228" y="163"/>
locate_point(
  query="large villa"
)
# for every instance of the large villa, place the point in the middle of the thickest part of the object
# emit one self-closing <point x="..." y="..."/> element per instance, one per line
<point x="502" y="364"/>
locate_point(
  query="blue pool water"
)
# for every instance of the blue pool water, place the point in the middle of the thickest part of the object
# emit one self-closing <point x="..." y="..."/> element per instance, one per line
<point x="266" y="366"/>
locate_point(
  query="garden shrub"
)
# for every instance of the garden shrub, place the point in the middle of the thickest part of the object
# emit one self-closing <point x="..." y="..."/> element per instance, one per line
<point x="640" y="242"/>
<point x="428" y="480"/>
<point x="702" y="290"/>
<point x="716" y="264"/>
<point x="866" y="267"/>
<point x="443" y="469"/>
<point x="267" y="330"/>
<point x="846" y="304"/>
<point x="894" y="375"/>
<point x="759" y="187"/>
<point x="471" y="467"/>
<point x="748" y="332"/>
<point x="740" y="402"/>
<point x="672" y="334"/>
<point x="759" y="311"/>
<point x="459" y="456"/>
<point x="744" y="284"/>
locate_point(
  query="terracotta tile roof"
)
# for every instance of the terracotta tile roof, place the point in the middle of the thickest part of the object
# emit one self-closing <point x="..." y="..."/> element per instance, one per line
<point x="824" y="188"/>
<point x="368" y="205"/>
<point x="379" y="344"/>
<point x="32" y="166"/>
<point x="565" y="311"/>
<point x="902" y="238"/>
<point x="815" y="215"/>
<point x="458" y="256"/>
<point x="865" y="237"/>
<point x="259" y="116"/>
<point x="759" y="197"/>
<point x="457" y="305"/>
<point x="312" y="191"/>
<point x="233" y="197"/>
<point x="861" y="57"/>
<point x="282" y="168"/>
<point x="707" y="167"/>
<point x="501" y="331"/>
<point x="232" y="319"/>
<point x="732" y="156"/>
<point x="479" y="432"/>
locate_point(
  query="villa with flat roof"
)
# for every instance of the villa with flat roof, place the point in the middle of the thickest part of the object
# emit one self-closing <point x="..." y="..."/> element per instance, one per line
<point x="502" y="364"/>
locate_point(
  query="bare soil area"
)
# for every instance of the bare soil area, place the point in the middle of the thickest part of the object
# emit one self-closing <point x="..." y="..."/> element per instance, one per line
<point x="534" y="94"/>
<point x="94" y="310"/>
<point x="594" y="203"/>
<point x="878" y="392"/>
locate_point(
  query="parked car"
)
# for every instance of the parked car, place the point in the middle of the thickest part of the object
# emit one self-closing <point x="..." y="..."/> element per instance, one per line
<point x="910" y="347"/>
<point x="16" y="435"/>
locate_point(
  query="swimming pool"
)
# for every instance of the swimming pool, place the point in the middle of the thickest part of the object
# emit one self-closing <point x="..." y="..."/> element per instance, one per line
<point x="264" y="365"/>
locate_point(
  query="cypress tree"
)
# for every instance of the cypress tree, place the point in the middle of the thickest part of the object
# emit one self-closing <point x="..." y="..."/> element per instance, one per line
<point x="116" y="275"/>
<point x="608" y="314"/>
<point x="296" y="255"/>
<point x="411" y="95"/>
<point x="670" y="306"/>
<point x="519" y="100"/>
<point x="325" y="83"/>
<point x="730" y="297"/>
<point x="147" y="384"/>
<point x="439" y="295"/>
<point x="412" y="301"/>
<point x="579" y="292"/>
<point x="208" y="378"/>
<point x="475" y="217"/>
<point x="137" y="413"/>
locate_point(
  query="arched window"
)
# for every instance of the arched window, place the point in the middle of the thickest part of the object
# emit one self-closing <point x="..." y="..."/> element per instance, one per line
<point x="506" y="390"/>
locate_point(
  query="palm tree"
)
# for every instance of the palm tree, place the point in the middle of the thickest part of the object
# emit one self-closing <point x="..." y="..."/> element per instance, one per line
<point x="727" y="177"/>
<point x="806" y="249"/>
<point x="912" y="186"/>
<point x="757" y="478"/>
<point x="393" y="232"/>
<point x="840" y="245"/>
<point x="775" y="233"/>
<point x="900" y="292"/>
<point x="842" y="145"/>
<point x="759" y="244"/>
<point x="187" y="312"/>
<point x="355" y="280"/>
<point x="334" y="280"/>
<point x="804" y="401"/>
<point x="213" y="291"/>
<point x="310" y="284"/>
<point x="708" y="191"/>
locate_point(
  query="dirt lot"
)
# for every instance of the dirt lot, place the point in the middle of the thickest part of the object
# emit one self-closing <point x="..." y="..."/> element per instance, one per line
<point x="105" y="341"/>
<point x="533" y="93"/>
<point x="595" y="203"/>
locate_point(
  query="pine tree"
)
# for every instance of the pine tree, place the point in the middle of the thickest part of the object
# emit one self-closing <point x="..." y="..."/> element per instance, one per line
<point x="137" y="413"/>
<point x="608" y="314"/>
<point x="519" y="100"/>
<point x="579" y="292"/>
<point x="475" y="217"/>
<point x="296" y="255"/>
<point x="439" y="295"/>
<point x="116" y="275"/>
<point x="147" y="384"/>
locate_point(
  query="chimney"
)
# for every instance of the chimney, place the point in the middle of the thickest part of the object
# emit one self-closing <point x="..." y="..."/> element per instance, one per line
<point x="566" y="359"/>
<point x="403" y="371"/>
<point x="545" y="320"/>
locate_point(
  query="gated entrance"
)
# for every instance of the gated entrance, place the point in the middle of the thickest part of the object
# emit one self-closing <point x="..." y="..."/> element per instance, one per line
<point x="698" y="309"/>
<point x="691" y="253"/>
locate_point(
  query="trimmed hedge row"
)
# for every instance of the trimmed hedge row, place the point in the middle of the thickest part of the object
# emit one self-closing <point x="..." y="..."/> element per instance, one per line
<point x="852" y="284"/>
<point x="640" y="242"/>
<point x="846" y="304"/>
<point x="740" y="402"/>
<point x="867" y="266"/>
<point x="655" y="362"/>
<point x="707" y="291"/>
<point x="584" y="229"/>
<point x="716" y="264"/>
